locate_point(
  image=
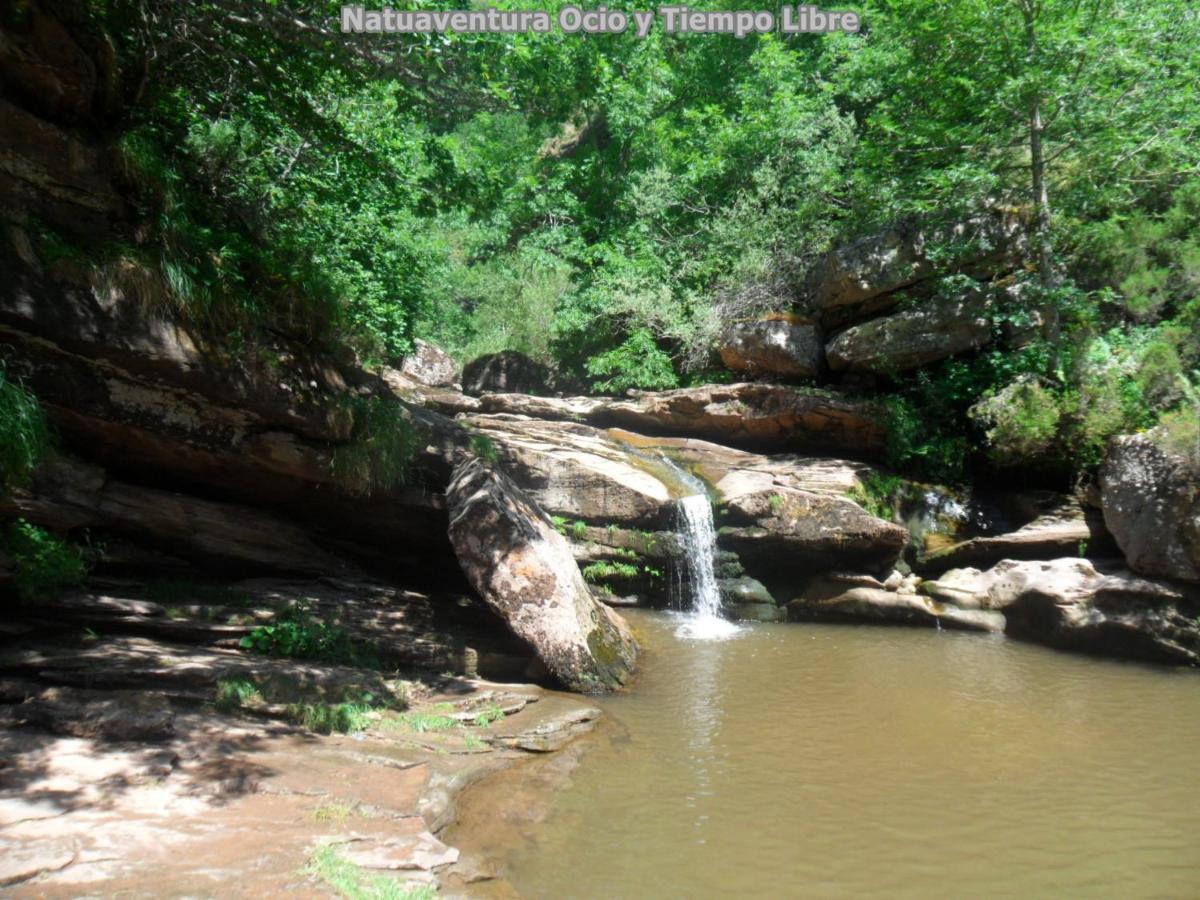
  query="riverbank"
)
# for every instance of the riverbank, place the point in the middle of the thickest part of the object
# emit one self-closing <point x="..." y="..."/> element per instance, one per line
<point x="143" y="752"/>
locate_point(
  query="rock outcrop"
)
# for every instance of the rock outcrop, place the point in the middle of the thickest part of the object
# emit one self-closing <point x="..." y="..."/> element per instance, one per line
<point x="786" y="533"/>
<point x="505" y="372"/>
<point x="1151" y="502"/>
<point x="768" y="418"/>
<point x="576" y="471"/>
<point x="914" y="338"/>
<point x="512" y="555"/>
<point x="876" y="604"/>
<point x="1070" y="604"/>
<point x="862" y="277"/>
<point x="778" y="347"/>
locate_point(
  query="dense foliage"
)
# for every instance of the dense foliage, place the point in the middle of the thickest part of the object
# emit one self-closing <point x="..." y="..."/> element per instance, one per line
<point x="605" y="203"/>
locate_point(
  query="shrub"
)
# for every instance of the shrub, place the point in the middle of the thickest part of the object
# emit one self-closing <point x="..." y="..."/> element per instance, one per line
<point x="297" y="635"/>
<point x="599" y="570"/>
<point x="636" y="363"/>
<point x="1022" y="421"/>
<point x="43" y="563"/>
<point x="327" y="718"/>
<point x="24" y="434"/>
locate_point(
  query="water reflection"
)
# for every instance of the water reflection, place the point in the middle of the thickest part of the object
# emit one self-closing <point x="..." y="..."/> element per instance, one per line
<point x="842" y="761"/>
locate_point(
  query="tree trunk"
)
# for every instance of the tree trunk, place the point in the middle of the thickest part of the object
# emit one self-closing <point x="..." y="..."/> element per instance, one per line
<point x="1042" y="244"/>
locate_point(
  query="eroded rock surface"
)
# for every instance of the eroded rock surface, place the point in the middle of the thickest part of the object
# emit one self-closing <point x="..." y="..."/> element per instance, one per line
<point x="522" y="568"/>
<point x="773" y="347"/>
<point x="862" y="276"/>
<point x="1151" y="502"/>
<point x="914" y="338"/>
<point x="430" y="365"/>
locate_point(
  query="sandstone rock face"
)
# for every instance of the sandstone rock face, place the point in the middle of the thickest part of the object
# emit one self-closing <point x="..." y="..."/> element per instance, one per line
<point x="786" y="532"/>
<point x="773" y="347"/>
<point x="53" y="173"/>
<point x="866" y="603"/>
<point x="505" y="372"/>
<point x="764" y="417"/>
<point x="1068" y="603"/>
<point x="523" y="569"/>
<point x="1151" y="503"/>
<point x="769" y="418"/>
<point x="859" y="274"/>
<point x="576" y="471"/>
<point x="915" y="338"/>
<point x="40" y="61"/>
<point x="430" y="365"/>
<point x="67" y="494"/>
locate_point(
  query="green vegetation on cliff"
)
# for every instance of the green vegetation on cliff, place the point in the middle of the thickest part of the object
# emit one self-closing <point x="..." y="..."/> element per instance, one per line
<point x="608" y="204"/>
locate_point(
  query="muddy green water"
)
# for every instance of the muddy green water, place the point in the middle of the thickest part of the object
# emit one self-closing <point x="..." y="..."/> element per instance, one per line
<point x="817" y="760"/>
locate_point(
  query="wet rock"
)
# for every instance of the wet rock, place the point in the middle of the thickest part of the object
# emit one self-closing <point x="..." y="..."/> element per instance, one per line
<point x="914" y="338"/>
<point x="744" y="590"/>
<point x="873" y="604"/>
<point x="1151" y="502"/>
<point x="759" y="612"/>
<point x="430" y="365"/>
<point x="861" y="277"/>
<point x="523" y="569"/>
<point x="505" y="372"/>
<point x="773" y="347"/>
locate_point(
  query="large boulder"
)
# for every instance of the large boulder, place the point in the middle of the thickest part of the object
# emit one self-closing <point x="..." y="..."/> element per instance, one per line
<point x="914" y="338"/>
<point x="430" y="365"/>
<point x="524" y="570"/>
<point x="778" y="347"/>
<point x="1151" y="501"/>
<point x="507" y="372"/>
<point x="785" y="533"/>
<point x="1070" y="604"/>
<point x="861" y="277"/>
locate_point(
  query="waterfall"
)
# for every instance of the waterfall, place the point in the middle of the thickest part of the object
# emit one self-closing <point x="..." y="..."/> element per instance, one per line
<point x="698" y="577"/>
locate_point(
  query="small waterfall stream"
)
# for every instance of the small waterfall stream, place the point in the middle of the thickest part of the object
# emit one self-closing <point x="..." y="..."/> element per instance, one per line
<point x="698" y="577"/>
